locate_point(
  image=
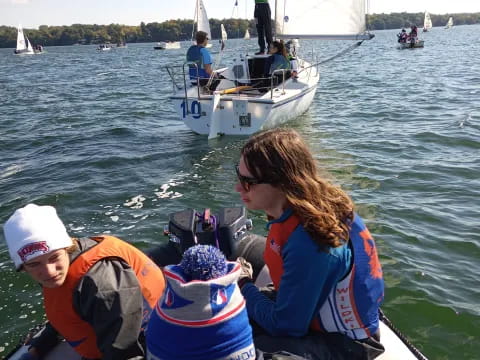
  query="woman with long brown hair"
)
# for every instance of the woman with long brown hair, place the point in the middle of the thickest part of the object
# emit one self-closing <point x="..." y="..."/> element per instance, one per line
<point x="322" y="260"/>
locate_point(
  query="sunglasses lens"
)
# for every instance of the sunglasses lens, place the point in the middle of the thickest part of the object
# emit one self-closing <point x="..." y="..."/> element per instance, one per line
<point x="244" y="181"/>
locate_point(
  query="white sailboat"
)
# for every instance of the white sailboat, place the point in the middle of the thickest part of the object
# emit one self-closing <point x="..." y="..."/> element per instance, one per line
<point x="427" y="22"/>
<point x="23" y="44"/>
<point x="247" y="35"/>
<point x="449" y="23"/>
<point x="104" y="47"/>
<point x="239" y="106"/>
<point x="167" y="45"/>
<point x="200" y="21"/>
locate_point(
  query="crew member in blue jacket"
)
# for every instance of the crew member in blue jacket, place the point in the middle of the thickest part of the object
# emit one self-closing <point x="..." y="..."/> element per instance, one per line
<point x="327" y="278"/>
<point x="198" y="54"/>
<point x="278" y="58"/>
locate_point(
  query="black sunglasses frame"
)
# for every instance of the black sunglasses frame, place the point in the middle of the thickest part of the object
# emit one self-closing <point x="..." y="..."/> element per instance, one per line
<point x="247" y="181"/>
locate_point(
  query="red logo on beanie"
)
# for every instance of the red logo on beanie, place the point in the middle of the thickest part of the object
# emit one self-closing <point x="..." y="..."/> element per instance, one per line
<point x="32" y="248"/>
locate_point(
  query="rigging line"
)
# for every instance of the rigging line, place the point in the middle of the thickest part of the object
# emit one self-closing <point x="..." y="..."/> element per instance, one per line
<point x="367" y="17"/>
<point x="194" y="19"/>
<point x="344" y="51"/>
<point x="236" y="15"/>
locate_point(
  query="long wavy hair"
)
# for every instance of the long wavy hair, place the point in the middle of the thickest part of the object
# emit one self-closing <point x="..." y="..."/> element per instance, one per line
<point x="279" y="44"/>
<point x="281" y="158"/>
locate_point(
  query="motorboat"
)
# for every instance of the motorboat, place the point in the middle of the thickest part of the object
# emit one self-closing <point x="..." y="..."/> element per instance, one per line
<point x="232" y="234"/>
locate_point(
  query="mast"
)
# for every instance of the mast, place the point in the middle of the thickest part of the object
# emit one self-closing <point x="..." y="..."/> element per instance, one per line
<point x="274" y="27"/>
<point x="195" y="15"/>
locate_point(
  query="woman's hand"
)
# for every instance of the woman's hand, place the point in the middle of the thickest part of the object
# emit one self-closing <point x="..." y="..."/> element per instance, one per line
<point x="247" y="272"/>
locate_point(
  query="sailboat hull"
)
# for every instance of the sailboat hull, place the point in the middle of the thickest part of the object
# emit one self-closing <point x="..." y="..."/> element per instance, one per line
<point x="166" y="45"/>
<point x="245" y="113"/>
<point x="24" y="52"/>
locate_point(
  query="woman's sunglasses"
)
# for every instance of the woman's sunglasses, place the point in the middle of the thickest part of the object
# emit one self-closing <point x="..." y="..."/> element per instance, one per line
<point x="247" y="181"/>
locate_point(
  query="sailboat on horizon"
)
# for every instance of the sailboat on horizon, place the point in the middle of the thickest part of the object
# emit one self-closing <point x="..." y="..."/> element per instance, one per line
<point x="247" y="35"/>
<point x="24" y="47"/>
<point x="427" y="22"/>
<point x="449" y="23"/>
<point x="200" y="21"/>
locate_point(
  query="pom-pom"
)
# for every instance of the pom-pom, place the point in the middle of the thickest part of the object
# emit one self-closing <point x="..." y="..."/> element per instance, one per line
<point x="203" y="262"/>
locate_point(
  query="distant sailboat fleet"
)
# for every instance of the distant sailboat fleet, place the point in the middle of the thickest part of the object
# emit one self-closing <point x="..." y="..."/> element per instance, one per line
<point x="201" y="23"/>
<point x="411" y="40"/>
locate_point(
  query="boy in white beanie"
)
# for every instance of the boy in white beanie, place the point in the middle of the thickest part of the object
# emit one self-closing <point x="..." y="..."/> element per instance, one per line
<point x="98" y="292"/>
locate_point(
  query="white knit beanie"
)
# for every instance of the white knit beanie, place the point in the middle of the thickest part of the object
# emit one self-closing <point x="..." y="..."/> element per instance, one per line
<point x="33" y="231"/>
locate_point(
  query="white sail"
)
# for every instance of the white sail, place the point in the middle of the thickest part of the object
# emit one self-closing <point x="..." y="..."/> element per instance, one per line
<point x="427" y="22"/>
<point x="202" y="19"/>
<point x="449" y="23"/>
<point x="23" y="44"/>
<point x="247" y="35"/>
<point x="224" y="32"/>
<point x="29" y="46"/>
<point x="321" y="19"/>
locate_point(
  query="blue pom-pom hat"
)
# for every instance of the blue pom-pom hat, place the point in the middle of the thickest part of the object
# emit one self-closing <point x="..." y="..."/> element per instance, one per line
<point x="200" y="319"/>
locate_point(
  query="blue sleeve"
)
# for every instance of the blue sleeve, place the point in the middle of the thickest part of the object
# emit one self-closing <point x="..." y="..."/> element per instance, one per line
<point x="308" y="277"/>
<point x="207" y="58"/>
<point x="267" y="66"/>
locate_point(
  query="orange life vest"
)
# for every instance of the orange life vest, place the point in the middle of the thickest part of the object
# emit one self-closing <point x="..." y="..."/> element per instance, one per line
<point x="58" y="302"/>
<point x="277" y="237"/>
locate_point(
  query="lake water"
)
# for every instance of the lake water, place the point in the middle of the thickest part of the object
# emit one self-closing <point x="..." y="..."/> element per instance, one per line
<point x="94" y="134"/>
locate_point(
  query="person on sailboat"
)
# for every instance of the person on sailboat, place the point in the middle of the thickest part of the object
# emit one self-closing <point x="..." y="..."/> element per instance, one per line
<point x="200" y="56"/>
<point x="277" y="60"/>
<point x="412" y="36"/>
<point x="98" y="292"/>
<point x="263" y="20"/>
<point x="327" y="278"/>
<point x="202" y="304"/>
<point x="291" y="49"/>
<point x="402" y="36"/>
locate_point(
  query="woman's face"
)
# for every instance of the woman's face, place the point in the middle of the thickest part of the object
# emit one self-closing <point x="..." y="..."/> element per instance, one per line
<point x="259" y="196"/>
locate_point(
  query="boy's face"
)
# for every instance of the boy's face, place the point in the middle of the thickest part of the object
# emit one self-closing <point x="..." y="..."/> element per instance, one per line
<point x="50" y="270"/>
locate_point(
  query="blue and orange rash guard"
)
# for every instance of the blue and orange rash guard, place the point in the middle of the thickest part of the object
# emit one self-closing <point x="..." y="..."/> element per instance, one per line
<point x="322" y="290"/>
<point x="303" y="283"/>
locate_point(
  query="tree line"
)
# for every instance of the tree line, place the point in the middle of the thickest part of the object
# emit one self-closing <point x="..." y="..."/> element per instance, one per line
<point x="178" y="30"/>
<point x="171" y="30"/>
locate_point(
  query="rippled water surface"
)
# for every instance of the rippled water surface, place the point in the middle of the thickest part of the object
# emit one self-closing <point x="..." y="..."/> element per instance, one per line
<point x="94" y="134"/>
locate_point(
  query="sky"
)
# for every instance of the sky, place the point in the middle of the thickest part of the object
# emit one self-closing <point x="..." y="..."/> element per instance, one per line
<point x="33" y="13"/>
